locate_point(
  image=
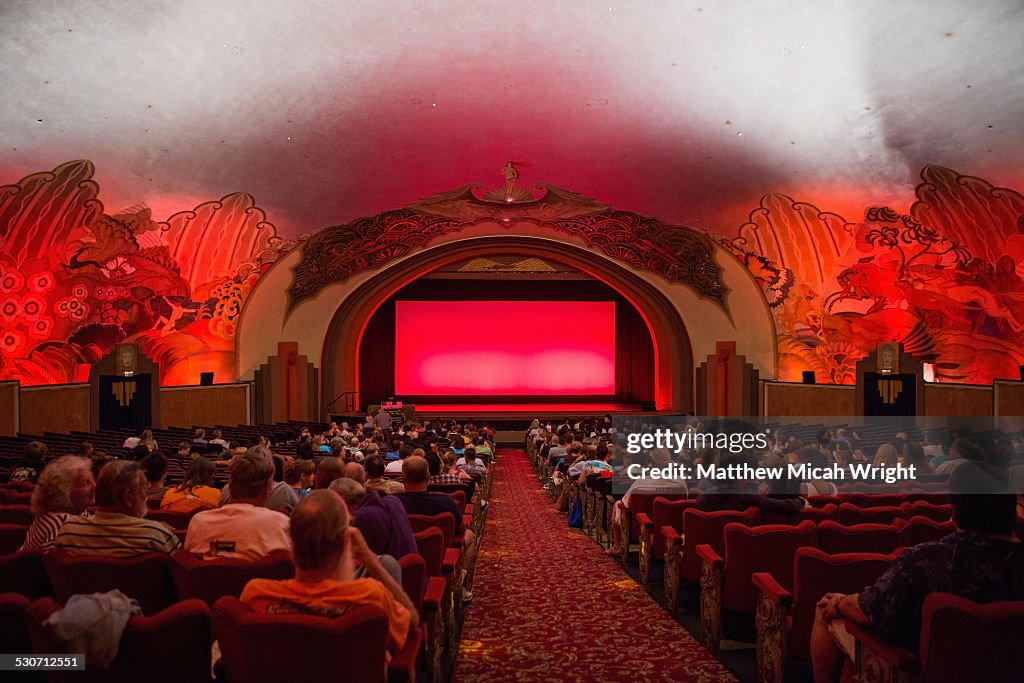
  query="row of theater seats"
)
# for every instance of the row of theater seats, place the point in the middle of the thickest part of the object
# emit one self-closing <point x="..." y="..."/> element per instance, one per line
<point x="761" y="576"/>
<point x="167" y="588"/>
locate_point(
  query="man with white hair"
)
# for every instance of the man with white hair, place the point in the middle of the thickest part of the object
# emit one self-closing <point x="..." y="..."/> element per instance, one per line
<point x="119" y="527"/>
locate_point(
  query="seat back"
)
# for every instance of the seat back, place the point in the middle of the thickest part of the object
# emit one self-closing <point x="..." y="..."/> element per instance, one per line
<point x="431" y="546"/>
<point x="815" y="573"/>
<point x="667" y="512"/>
<point x="414" y="577"/>
<point x="11" y="537"/>
<point x="939" y="513"/>
<point x="851" y="514"/>
<point x="16" y="514"/>
<point x="25" y="574"/>
<point x="924" y="529"/>
<point x="820" y="500"/>
<point x="709" y="527"/>
<point x="176" y="520"/>
<point x="146" y="578"/>
<point x="213" y="578"/>
<point x="765" y="548"/>
<point x="962" y="640"/>
<point x="862" y="538"/>
<point x="170" y="646"/>
<point x="352" y="646"/>
<point x="442" y="520"/>
<point x="875" y="500"/>
<point x="808" y="512"/>
<point x="644" y="502"/>
<point x="13" y="608"/>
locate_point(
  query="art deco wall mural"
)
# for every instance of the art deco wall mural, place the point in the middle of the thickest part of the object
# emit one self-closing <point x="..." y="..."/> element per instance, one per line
<point x="944" y="278"/>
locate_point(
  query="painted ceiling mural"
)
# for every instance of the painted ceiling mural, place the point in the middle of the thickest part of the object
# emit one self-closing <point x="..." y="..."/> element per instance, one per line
<point x="944" y="278"/>
<point x="75" y="280"/>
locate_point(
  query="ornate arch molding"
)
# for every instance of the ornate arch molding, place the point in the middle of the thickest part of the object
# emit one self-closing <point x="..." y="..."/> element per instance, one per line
<point x="679" y="253"/>
<point x="673" y="355"/>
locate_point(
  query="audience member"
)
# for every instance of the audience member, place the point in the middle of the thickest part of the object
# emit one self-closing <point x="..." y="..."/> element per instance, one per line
<point x="196" y="492"/>
<point x="119" y="527"/>
<point x="386" y="529"/>
<point x="282" y="497"/>
<point x="66" y="487"/>
<point x="325" y="550"/>
<point x="299" y="474"/>
<point x="375" y="481"/>
<point x="982" y="561"/>
<point x="154" y="466"/>
<point x="243" y="528"/>
<point x="31" y="463"/>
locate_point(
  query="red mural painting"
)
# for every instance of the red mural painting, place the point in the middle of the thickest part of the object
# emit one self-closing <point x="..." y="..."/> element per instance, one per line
<point x="942" y="279"/>
<point x="74" y="280"/>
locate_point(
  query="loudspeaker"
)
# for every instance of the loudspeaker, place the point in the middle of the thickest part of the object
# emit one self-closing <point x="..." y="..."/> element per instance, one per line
<point x="205" y="378"/>
<point x="648" y="406"/>
<point x="1020" y="369"/>
<point x="809" y="377"/>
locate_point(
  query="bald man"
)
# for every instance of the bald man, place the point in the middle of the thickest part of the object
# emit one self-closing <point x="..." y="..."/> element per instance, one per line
<point x="326" y="548"/>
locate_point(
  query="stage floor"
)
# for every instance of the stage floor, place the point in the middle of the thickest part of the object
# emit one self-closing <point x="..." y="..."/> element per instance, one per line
<point x="531" y="410"/>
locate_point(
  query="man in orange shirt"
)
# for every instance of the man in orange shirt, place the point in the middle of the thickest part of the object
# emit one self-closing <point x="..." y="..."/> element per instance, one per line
<point x="325" y="548"/>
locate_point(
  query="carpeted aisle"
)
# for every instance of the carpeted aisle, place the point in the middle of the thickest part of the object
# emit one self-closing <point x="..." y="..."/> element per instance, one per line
<point x="549" y="605"/>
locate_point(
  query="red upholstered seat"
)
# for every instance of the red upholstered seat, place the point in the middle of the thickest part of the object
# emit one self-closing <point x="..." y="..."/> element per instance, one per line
<point x="862" y="538"/>
<point x="875" y="500"/>
<point x="16" y="514"/>
<point x="13" y="608"/>
<point x="962" y="640"/>
<point x="352" y="646"/>
<point x="19" y="497"/>
<point x="818" y="500"/>
<point x="885" y="514"/>
<point x="11" y="537"/>
<point x="210" y="579"/>
<point x="808" y="512"/>
<point x="24" y="573"/>
<point x="175" y="520"/>
<point x="939" y="513"/>
<point x="644" y="503"/>
<point x="146" y="578"/>
<point x="667" y="512"/>
<point x="923" y="529"/>
<point x="170" y="646"/>
<point x="439" y="592"/>
<point x="431" y="546"/>
<point x="708" y="528"/>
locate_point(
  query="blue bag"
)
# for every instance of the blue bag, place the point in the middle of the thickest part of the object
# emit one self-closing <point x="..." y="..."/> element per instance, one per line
<point x="576" y="515"/>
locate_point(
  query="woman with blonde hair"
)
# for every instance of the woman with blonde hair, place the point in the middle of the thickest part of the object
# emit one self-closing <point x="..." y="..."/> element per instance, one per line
<point x="887" y="456"/>
<point x="66" y="487"/>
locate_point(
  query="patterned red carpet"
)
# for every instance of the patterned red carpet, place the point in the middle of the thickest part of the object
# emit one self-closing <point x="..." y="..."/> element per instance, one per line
<point x="550" y="606"/>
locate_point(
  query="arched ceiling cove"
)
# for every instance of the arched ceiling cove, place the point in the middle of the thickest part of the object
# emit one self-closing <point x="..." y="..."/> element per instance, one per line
<point x="689" y="111"/>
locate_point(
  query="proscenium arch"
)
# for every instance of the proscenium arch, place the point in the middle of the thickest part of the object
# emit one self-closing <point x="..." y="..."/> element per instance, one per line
<point x="673" y="354"/>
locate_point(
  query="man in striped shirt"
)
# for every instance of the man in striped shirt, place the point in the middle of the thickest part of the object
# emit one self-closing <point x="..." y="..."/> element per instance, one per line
<point x="119" y="527"/>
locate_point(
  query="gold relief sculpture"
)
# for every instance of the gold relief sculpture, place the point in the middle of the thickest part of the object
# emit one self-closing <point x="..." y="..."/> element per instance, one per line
<point x="772" y="638"/>
<point x="889" y="389"/>
<point x="124" y="392"/>
<point x="710" y="606"/>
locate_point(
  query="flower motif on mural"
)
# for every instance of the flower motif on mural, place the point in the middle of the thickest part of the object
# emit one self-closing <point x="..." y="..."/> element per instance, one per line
<point x="41" y="282"/>
<point x="32" y="307"/>
<point x="10" y="280"/>
<point x="11" y="309"/>
<point x="41" y="328"/>
<point x="11" y="342"/>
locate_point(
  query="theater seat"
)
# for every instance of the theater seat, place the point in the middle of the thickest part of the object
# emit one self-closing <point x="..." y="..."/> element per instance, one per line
<point x="146" y="578"/>
<point x="24" y="573"/>
<point x="681" y="560"/>
<point x="255" y="647"/>
<point x="726" y="588"/>
<point x="11" y="537"/>
<point x="16" y="514"/>
<point x="13" y="610"/>
<point x="170" y="646"/>
<point x="961" y="640"/>
<point x="924" y="529"/>
<point x="664" y="512"/>
<point x="208" y="580"/>
<point x="438" y="596"/>
<point x="939" y="513"/>
<point x="784" y="618"/>
<point x="863" y="538"/>
<point x="851" y="514"/>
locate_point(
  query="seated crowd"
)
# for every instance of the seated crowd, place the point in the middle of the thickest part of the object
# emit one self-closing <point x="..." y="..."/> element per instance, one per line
<point x="324" y="499"/>
<point x="981" y="558"/>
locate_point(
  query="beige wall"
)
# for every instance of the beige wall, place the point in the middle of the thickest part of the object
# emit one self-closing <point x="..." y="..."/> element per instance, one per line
<point x="784" y="399"/>
<point x="55" y="408"/>
<point x="750" y="324"/>
<point x="223" y="404"/>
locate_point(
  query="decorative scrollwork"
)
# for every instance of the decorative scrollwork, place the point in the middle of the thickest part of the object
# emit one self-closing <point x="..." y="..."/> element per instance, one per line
<point x="772" y="639"/>
<point x="679" y="253"/>
<point x="710" y="606"/>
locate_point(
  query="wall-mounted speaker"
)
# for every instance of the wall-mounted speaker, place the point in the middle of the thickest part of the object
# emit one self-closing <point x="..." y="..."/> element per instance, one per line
<point x="809" y="377"/>
<point x="1020" y="370"/>
<point x="648" y="406"/>
<point x="205" y="378"/>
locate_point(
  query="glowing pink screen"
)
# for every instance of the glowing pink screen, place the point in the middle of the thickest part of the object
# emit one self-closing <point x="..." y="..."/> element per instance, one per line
<point x="504" y="348"/>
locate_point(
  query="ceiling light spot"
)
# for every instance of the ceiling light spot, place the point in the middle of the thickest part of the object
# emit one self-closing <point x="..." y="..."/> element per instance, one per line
<point x="433" y="104"/>
<point x="948" y="34"/>
<point x="739" y="134"/>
